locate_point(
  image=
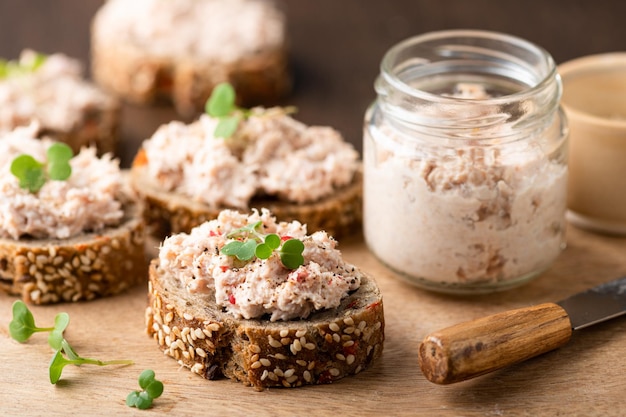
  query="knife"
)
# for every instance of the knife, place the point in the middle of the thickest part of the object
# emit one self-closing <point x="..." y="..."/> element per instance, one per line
<point x="477" y="347"/>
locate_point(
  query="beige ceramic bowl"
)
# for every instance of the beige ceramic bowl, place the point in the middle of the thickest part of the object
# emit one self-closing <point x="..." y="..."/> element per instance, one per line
<point x="594" y="99"/>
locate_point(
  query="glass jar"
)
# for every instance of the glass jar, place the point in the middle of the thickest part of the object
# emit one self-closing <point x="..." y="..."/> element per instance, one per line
<point x="465" y="162"/>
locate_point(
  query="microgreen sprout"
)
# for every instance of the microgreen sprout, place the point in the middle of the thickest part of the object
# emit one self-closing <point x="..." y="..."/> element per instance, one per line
<point x="22" y="327"/>
<point x="249" y="242"/>
<point x="13" y="68"/>
<point x="33" y="174"/>
<point x="59" y="362"/>
<point x="221" y="105"/>
<point x="151" y="388"/>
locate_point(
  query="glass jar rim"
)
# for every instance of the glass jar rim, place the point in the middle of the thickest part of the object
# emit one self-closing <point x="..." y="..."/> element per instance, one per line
<point x="389" y="65"/>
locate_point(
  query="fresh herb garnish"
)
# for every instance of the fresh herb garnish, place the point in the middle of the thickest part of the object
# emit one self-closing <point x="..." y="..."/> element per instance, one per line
<point x="22" y="327"/>
<point x="12" y="68"/>
<point x="222" y="105"/>
<point x="32" y="174"/>
<point x="249" y="242"/>
<point x="151" y="388"/>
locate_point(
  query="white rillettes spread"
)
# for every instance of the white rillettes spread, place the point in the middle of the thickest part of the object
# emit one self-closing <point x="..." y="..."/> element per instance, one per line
<point x="477" y="216"/>
<point x="270" y="154"/>
<point x="216" y="30"/>
<point x="55" y="95"/>
<point x="86" y="201"/>
<point x="260" y="286"/>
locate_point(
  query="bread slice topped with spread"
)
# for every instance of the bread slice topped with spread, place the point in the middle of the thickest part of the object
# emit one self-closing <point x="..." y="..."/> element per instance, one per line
<point x="52" y="91"/>
<point x="148" y="51"/>
<point x="262" y="302"/>
<point x="69" y="230"/>
<point x="234" y="158"/>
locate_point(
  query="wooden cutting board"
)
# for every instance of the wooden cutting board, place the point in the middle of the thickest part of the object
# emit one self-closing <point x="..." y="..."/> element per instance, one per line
<point x="587" y="377"/>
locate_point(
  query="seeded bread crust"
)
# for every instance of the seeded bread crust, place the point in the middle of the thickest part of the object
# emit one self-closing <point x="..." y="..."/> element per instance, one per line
<point x="326" y="347"/>
<point x="77" y="269"/>
<point x="131" y="73"/>
<point x="167" y="213"/>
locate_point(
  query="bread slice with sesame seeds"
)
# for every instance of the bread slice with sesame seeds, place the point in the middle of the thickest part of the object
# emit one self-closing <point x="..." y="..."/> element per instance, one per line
<point x="148" y="54"/>
<point x="166" y="212"/>
<point x="81" y="268"/>
<point x="323" y="348"/>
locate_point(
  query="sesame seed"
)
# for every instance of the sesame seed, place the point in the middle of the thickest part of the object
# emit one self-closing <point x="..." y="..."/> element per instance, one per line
<point x="285" y="341"/>
<point x="309" y="346"/>
<point x="349" y="321"/>
<point x="264" y="375"/>
<point x="334" y="371"/>
<point x="255" y="365"/>
<point x="334" y="327"/>
<point x="286" y="384"/>
<point x="278" y="372"/>
<point x="292" y="379"/>
<point x="255" y="348"/>
<point x="301" y="362"/>
<point x="272" y="376"/>
<point x="358" y="369"/>
<point x="336" y="338"/>
<point x="284" y="333"/>
<point x="265" y="362"/>
<point x="301" y="333"/>
<point x="207" y="332"/>
<point x="169" y="316"/>
<point x="369" y="349"/>
<point x="362" y="325"/>
<point x="307" y="376"/>
<point x="213" y="327"/>
<point x="254" y="357"/>
<point x="166" y="329"/>
<point x="187" y="316"/>
<point x="340" y="356"/>
<point x="289" y="372"/>
<point x="297" y="345"/>
<point x="350" y="359"/>
<point x="197" y="368"/>
<point x="349" y="330"/>
<point x="311" y="365"/>
<point x="273" y="342"/>
<point x="280" y="356"/>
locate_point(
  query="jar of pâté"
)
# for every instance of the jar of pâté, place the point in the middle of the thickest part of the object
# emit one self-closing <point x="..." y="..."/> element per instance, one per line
<point x="465" y="162"/>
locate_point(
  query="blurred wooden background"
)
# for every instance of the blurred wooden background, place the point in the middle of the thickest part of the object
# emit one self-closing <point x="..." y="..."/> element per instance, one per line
<point x="336" y="45"/>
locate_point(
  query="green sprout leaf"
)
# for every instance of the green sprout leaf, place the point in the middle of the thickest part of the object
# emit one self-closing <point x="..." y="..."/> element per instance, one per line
<point x="221" y="105"/>
<point x="23" y="325"/>
<point x="250" y="243"/>
<point x="244" y="251"/>
<point x="222" y="101"/>
<point x="32" y="174"/>
<point x="152" y="388"/>
<point x="227" y="126"/>
<point x="14" y="68"/>
<point x="291" y="253"/>
<point x="59" y="362"/>
<point x="55" y="338"/>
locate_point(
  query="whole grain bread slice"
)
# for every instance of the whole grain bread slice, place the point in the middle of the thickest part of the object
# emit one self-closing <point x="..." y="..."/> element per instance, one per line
<point x="130" y="72"/>
<point x="168" y="212"/>
<point x="327" y="346"/>
<point x="81" y="268"/>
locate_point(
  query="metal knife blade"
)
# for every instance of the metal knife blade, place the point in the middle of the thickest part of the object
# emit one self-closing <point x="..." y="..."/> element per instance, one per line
<point x="598" y="304"/>
<point x="476" y="347"/>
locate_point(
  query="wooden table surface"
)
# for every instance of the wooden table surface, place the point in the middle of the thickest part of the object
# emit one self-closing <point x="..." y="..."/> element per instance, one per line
<point x="336" y="49"/>
<point x="584" y="378"/>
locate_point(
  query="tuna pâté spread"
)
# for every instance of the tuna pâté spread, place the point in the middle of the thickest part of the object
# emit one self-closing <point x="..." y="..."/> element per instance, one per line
<point x="260" y="286"/>
<point x="270" y="154"/>
<point x="86" y="201"/>
<point x="54" y="94"/>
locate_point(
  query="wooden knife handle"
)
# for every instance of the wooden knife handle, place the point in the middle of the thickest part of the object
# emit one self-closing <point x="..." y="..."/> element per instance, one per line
<point x="474" y="348"/>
